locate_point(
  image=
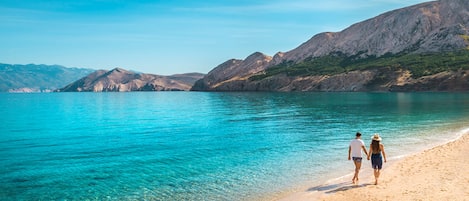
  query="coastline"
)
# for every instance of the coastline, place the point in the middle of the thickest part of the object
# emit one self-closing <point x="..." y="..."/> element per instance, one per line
<point x="437" y="173"/>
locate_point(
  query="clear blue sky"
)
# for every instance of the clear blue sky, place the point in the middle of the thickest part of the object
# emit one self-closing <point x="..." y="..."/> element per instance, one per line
<point x="168" y="36"/>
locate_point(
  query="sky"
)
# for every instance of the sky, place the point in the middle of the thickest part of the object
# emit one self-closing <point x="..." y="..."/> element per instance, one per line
<point x="168" y="37"/>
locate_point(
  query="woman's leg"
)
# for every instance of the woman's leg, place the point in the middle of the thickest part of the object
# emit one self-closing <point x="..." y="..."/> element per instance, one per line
<point x="376" y="173"/>
<point x="377" y="163"/>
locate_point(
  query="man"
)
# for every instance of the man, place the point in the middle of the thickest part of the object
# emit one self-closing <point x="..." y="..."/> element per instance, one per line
<point x="355" y="151"/>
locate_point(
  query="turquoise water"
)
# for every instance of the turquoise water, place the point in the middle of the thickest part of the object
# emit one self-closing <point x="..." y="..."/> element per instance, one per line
<point x="203" y="146"/>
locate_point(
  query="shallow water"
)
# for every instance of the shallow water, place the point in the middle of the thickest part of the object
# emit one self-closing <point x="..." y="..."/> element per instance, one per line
<point x="203" y="146"/>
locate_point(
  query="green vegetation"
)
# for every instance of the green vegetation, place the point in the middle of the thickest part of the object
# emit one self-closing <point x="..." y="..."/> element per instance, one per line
<point x="418" y="64"/>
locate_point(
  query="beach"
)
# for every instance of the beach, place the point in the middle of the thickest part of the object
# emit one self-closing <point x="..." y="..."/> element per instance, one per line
<point x="439" y="173"/>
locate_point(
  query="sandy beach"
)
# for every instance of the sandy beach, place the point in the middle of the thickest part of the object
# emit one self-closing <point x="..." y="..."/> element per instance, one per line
<point x="440" y="173"/>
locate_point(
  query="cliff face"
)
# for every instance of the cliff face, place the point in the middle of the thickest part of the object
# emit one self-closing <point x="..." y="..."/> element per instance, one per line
<point x="433" y="27"/>
<point x="121" y="80"/>
<point x="382" y="79"/>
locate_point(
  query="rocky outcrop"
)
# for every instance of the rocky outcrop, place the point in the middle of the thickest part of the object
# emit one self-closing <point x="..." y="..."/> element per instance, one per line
<point x="233" y="70"/>
<point x="382" y="79"/>
<point x="121" y="80"/>
<point x="444" y="81"/>
<point x="437" y="26"/>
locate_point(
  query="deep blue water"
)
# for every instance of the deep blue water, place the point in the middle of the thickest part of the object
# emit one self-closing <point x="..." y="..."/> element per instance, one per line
<point x="203" y="146"/>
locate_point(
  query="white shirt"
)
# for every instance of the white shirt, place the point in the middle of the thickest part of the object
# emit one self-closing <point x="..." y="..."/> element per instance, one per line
<point x="356" y="145"/>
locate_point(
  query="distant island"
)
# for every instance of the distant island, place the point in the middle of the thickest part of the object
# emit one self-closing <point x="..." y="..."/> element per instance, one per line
<point x="121" y="80"/>
<point x="37" y="78"/>
<point x="32" y="78"/>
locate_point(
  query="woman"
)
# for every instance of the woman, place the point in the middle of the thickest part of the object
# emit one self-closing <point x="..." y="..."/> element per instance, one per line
<point x="376" y="150"/>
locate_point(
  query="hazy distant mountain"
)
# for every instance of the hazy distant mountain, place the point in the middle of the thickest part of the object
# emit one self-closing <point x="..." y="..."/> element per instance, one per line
<point x="421" y="47"/>
<point x="121" y="80"/>
<point x="35" y="78"/>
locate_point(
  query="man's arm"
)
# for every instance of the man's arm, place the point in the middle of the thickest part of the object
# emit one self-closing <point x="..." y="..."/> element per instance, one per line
<point x="364" y="149"/>
<point x="349" y="151"/>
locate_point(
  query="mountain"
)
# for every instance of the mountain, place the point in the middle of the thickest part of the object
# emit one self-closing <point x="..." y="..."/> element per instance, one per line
<point x="407" y="49"/>
<point x="121" y="80"/>
<point x="36" y="78"/>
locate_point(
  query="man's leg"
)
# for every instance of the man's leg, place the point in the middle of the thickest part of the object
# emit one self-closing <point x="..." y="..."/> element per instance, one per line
<point x="358" y="165"/>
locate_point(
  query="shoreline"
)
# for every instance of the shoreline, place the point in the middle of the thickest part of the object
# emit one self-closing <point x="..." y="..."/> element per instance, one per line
<point x="444" y="163"/>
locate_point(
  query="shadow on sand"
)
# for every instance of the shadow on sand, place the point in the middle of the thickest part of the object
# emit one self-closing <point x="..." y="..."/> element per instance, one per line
<point x="333" y="188"/>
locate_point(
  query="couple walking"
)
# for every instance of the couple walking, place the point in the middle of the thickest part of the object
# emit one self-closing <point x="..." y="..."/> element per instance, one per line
<point x="376" y="153"/>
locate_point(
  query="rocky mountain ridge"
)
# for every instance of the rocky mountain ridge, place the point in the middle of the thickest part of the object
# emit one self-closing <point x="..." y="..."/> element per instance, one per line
<point x="121" y="80"/>
<point x="427" y="28"/>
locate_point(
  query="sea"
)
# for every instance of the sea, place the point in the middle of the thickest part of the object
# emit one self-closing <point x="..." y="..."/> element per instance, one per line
<point x="202" y="145"/>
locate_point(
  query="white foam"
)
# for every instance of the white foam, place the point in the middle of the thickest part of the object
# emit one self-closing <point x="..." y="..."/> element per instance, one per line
<point x="462" y="133"/>
<point x="338" y="179"/>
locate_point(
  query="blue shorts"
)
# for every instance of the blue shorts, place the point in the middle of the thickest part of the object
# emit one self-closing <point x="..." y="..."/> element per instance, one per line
<point x="357" y="159"/>
<point x="376" y="161"/>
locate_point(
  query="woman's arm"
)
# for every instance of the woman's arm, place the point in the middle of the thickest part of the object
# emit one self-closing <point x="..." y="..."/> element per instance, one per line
<point x="384" y="153"/>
